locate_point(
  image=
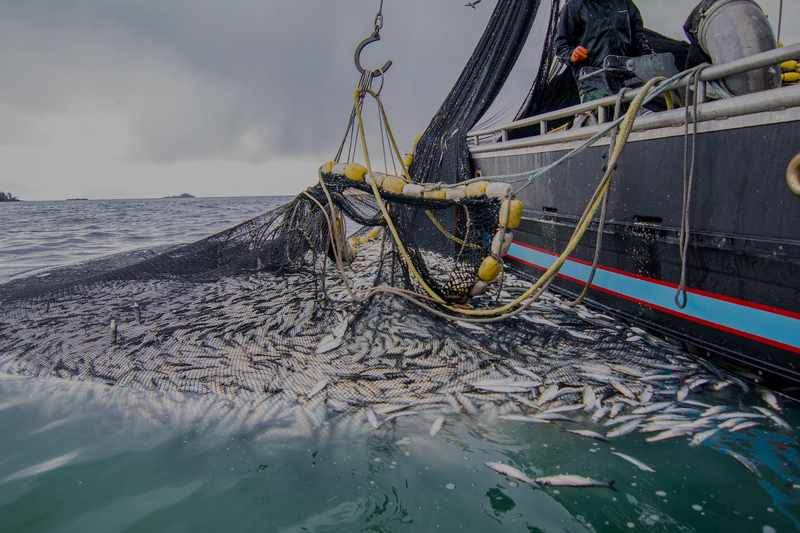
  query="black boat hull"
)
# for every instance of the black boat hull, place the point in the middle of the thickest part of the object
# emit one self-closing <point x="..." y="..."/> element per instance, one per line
<point x="743" y="266"/>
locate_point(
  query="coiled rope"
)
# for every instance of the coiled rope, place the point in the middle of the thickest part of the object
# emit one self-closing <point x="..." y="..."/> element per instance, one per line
<point x="625" y="128"/>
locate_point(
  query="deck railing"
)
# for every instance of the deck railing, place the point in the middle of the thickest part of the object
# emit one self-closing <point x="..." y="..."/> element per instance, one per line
<point x="601" y="107"/>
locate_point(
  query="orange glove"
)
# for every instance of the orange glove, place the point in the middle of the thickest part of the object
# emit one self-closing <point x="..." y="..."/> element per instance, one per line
<point x="579" y="55"/>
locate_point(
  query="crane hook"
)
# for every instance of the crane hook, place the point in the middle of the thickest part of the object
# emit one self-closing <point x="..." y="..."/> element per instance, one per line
<point x="373" y="38"/>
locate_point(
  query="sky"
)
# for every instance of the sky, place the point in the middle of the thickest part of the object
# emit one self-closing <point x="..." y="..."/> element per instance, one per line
<point x="135" y="98"/>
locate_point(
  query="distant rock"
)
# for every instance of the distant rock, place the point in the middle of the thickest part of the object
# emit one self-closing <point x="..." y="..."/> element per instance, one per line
<point x="184" y="195"/>
<point x="8" y="197"/>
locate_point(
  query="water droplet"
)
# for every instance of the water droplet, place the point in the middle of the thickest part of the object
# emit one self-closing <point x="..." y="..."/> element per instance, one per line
<point x="450" y="486"/>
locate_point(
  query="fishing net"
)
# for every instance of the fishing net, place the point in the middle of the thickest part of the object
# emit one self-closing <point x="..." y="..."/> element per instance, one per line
<point x="306" y="319"/>
<point x="443" y="154"/>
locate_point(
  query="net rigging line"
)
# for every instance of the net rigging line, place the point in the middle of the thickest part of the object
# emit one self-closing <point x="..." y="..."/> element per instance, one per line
<point x="442" y="153"/>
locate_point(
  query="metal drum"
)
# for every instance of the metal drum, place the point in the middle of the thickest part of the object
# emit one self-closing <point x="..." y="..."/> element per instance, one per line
<point x="733" y="29"/>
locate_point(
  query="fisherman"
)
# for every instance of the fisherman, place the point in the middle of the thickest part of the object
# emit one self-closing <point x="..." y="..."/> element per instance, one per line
<point x="591" y="30"/>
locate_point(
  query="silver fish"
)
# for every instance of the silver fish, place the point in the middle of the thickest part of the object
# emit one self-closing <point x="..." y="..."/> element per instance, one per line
<point x="589" y="398"/>
<point x="316" y="389"/>
<point x="646" y="395"/>
<point x="743" y="426"/>
<point x="702" y="436"/>
<point x="747" y="463"/>
<point x="669" y="434"/>
<point x="436" y="426"/>
<point x="622" y="389"/>
<point x="697" y="404"/>
<point x="731" y="423"/>
<point x="719" y="385"/>
<point x="712" y="411"/>
<point x="451" y="399"/>
<point x="508" y="382"/>
<point x="651" y="408"/>
<point x="589" y="434"/>
<point x="616" y="409"/>
<point x="333" y="340"/>
<point x="668" y="417"/>
<point x="660" y="377"/>
<point x="527" y="373"/>
<point x="698" y="382"/>
<point x="627" y="370"/>
<point x="556" y="417"/>
<point x="771" y="400"/>
<point x="780" y="422"/>
<point x="510" y="471"/>
<point x="655" y="427"/>
<point x="524" y="418"/>
<point x="564" y="409"/>
<point x="728" y="416"/>
<point x="624" y="429"/>
<point x="503" y="389"/>
<point x="599" y="414"/>
<point x="682" y="411"/>
<point x="566" y="480"/>
<point x="683" y="392"/>
<point x="580" y="336"/>
<point x="467" y="404"/>
<point x="637" y="463"/>
<point x="372" y="418"/>
<point x="549" y="394"/>
<point x="470" y="326"/>
<point x="622" y="420"/>
<point x="400" y="414"/>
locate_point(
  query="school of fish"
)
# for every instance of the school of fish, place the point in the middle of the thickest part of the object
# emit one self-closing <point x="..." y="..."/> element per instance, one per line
<point x="266" y="339"/>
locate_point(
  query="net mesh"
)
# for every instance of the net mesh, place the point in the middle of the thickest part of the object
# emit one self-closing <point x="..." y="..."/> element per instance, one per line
<point x="263" y="311"/>
<point x="442" y="154"/>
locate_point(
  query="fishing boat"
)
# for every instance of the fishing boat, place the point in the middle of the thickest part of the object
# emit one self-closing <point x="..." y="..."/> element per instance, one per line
<point x="733" y="289"/>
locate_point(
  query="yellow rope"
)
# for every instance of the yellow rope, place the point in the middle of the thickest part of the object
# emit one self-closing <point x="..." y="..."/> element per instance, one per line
<point x="447" y="234"/>
<point x="583" y="224"/>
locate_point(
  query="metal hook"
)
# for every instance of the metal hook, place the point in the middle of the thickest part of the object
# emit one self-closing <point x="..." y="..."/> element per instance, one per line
<point x="377" y="73"/>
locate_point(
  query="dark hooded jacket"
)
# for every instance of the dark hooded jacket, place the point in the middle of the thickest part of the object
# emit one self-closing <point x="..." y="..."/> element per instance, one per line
<point x="604" y="27"/>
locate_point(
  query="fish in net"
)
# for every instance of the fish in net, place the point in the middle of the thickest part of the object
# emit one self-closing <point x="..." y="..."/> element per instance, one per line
<point x="292" y="309"/>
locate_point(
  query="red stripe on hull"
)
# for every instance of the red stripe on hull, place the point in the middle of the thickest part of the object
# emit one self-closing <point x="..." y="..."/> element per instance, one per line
<point x="659" y="308"/>
<point x="722" y="297"/>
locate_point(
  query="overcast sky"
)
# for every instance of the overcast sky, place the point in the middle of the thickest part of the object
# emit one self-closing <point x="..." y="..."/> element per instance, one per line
<point x="135" y="98"/>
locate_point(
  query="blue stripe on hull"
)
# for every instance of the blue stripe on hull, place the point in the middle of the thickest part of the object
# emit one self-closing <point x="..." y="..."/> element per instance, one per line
<point x="748" y="320"/>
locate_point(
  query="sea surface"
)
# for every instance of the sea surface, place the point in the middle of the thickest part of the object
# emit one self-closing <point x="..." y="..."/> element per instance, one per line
<point x="78" y="456"/>
<point x="36" y="235"/>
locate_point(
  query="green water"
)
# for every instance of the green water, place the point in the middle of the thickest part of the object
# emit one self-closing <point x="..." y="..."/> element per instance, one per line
<point x="81" y="458"/>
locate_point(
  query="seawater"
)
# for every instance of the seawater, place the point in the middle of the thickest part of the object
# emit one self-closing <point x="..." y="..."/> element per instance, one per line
<point x="79" y="457"/>
<point x="83" y="457"/>
<point x="36" y="235"/>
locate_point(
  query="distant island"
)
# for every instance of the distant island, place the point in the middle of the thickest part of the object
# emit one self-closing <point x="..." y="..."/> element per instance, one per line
<point x="8" y="197"/>
<point x="184" y="195"/>
<point x="77" y="199"/>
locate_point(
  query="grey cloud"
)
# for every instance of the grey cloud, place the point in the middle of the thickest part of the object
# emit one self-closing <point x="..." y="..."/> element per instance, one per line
<point x="238" y="80"/>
